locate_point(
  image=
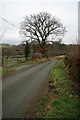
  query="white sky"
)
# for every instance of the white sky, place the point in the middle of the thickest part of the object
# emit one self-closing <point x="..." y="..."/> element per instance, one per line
<point x="15" y="10"/>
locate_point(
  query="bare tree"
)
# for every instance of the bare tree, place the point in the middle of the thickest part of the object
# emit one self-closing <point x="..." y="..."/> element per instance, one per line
<point x="41" y="26"/>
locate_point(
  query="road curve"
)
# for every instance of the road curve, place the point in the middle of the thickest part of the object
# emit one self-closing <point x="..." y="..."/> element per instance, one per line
<point x="19" y="90"/>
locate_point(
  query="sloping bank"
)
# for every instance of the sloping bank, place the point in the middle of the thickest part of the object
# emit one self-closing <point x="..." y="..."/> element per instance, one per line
<point x="60" y="100"/>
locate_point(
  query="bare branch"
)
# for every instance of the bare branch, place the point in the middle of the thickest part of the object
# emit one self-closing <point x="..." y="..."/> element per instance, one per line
<point x="41" y="26"/>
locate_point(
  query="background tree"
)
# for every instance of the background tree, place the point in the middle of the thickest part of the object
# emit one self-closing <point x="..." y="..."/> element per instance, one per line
<point x="41" y="26"/>
<point x="26" y="50"/>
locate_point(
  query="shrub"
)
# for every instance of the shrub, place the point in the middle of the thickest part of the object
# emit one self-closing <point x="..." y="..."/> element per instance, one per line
<point x="72" y="61"/>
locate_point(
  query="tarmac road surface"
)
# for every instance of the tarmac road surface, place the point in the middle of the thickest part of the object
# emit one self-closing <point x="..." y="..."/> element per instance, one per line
<point x="21" y="89"/>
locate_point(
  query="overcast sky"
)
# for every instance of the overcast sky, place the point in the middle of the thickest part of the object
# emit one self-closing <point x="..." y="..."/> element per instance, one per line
<point x="15" y="10"/>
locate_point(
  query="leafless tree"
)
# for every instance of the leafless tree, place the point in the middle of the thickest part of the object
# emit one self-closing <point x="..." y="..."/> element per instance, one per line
<point x="41" y="26"/>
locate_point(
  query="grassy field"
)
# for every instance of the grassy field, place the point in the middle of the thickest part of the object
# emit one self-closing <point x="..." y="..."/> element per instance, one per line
<point x="60" y="100"/>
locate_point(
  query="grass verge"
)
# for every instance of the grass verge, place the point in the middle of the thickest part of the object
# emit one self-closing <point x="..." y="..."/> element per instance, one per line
<point x="60" y="101"/>
<point x="7" y="71"/>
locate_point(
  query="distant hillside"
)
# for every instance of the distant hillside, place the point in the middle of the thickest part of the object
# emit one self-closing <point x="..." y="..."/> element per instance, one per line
<point x="4" y="45"/>
<point x="51" y="49"/>
<point x="9" y="50"/>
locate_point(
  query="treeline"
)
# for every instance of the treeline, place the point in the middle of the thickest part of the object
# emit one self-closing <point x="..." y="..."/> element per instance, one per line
<point x="12" y="50"/>
<point x="53" y="49"/>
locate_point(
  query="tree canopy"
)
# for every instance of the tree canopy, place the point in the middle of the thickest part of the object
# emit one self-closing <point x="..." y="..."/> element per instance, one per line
<point x="40" y="26"/>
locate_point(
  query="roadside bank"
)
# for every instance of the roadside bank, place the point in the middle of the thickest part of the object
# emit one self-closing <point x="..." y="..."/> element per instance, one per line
<point x="60" y="101"/>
